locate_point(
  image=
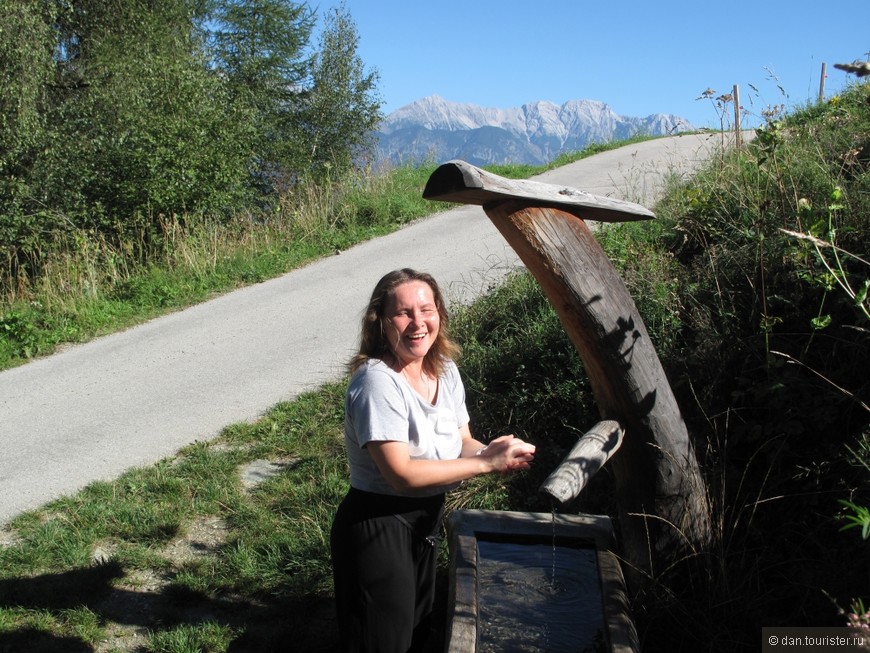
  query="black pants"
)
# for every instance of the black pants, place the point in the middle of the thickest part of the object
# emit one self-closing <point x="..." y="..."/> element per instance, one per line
<point x="384" y="558"/>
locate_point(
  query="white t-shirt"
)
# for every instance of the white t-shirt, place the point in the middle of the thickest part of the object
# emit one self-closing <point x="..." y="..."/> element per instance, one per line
<point x="381" y="406"/>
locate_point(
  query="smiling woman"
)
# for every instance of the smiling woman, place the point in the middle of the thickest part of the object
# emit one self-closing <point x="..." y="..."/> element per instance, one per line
<point x="412" y="324"/>
<point x="408" y="442"/>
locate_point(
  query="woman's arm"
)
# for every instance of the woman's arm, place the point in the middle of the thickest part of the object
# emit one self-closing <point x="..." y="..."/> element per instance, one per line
<point x="504" y="454"/>
<point x="470" y="446"/>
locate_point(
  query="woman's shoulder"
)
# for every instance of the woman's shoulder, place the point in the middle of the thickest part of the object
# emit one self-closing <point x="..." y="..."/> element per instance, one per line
<point x="372" y="371"/>
<point x="450" y="368"/>
<point x="450" y="372"/>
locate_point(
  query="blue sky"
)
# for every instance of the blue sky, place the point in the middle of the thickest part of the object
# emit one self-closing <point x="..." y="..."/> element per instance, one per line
<point x="638" y="57"/>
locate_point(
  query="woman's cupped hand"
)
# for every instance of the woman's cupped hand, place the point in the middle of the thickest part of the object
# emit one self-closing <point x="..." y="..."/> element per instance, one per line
<point x="509" y="453"/>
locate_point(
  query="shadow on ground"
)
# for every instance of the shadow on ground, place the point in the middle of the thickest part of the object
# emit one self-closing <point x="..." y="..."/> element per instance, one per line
<point x="131" y="614"/>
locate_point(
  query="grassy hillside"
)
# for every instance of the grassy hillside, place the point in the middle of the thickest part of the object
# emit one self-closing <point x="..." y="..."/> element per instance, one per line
<point x="753" y="284"/>
<point x="766" y="254"/>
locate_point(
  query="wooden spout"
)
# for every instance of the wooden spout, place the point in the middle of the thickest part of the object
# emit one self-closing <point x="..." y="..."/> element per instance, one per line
<point x="589" y="455"/>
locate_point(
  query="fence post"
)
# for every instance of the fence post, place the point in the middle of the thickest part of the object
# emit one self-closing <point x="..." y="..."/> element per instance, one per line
<point x="736" y="96"/>
<point x="822" y="82"/>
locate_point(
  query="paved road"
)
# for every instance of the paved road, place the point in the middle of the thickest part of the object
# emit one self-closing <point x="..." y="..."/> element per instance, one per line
<point x="132" y="398"/>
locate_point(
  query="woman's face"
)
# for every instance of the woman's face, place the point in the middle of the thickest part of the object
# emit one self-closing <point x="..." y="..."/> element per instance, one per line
<point x="412" y="321"/>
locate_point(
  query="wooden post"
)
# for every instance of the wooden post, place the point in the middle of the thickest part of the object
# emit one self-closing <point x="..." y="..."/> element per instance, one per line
<point x="822" y="82"/>
<point x="661" y="497"/>
<point x="737" y="135"/>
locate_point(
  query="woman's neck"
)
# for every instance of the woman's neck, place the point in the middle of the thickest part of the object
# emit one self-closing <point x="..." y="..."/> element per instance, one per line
<point x="414" y="368"/>
<point x="416" y="375"/>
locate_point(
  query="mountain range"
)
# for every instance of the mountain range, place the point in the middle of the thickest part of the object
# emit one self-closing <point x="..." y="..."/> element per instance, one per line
<point x="434" y="129"/>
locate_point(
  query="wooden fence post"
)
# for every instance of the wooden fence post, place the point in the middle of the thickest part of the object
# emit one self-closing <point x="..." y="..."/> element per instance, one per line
<point x="822" y="82"/>
<point x="737" y="134"/>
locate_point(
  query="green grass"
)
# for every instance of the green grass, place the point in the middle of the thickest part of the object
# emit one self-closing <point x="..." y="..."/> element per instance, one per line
<point x="208" y="636"/>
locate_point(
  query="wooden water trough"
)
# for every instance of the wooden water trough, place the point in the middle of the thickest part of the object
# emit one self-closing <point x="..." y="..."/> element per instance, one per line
<point x="599" y="613"/>
<point x="662" y="512"/>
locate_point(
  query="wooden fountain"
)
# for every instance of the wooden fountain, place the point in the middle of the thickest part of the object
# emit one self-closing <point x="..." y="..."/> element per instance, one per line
<point x="662" y="511"/>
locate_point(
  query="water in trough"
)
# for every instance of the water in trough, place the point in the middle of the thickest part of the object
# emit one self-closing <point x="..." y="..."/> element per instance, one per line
<point x="539" y="594"/>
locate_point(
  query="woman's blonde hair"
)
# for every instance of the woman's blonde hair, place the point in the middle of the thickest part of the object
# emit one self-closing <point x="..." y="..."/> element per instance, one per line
<point x="373" y="338"/>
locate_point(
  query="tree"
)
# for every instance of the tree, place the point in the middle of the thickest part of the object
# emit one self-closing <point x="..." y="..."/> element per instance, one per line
<point x="342" y="108"/>
<point x="109" y="115"/>
<point x="259" y="48"/>
<point x="259" y="45"/>
<point x="26" y="68"/>
<point x="147" y="121"/>
<point x="113" y="113"/>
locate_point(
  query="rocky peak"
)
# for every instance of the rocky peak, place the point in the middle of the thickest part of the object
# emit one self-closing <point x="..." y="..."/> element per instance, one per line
<point x="534" y="133"/>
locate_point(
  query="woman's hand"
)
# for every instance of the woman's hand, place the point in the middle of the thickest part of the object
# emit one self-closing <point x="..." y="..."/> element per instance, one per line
<point x="508" y="454"/>
<point x="504" y="454"/>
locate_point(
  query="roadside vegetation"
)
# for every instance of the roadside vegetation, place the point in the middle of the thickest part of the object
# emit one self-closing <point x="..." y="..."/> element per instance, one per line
<point x="767" y="253"/>
<point x="140" y="137"/>
<point x="752" y="281"/>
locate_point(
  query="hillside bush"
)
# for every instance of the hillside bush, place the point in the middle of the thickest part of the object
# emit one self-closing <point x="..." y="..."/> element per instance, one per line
<point x="771" y="246"/>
